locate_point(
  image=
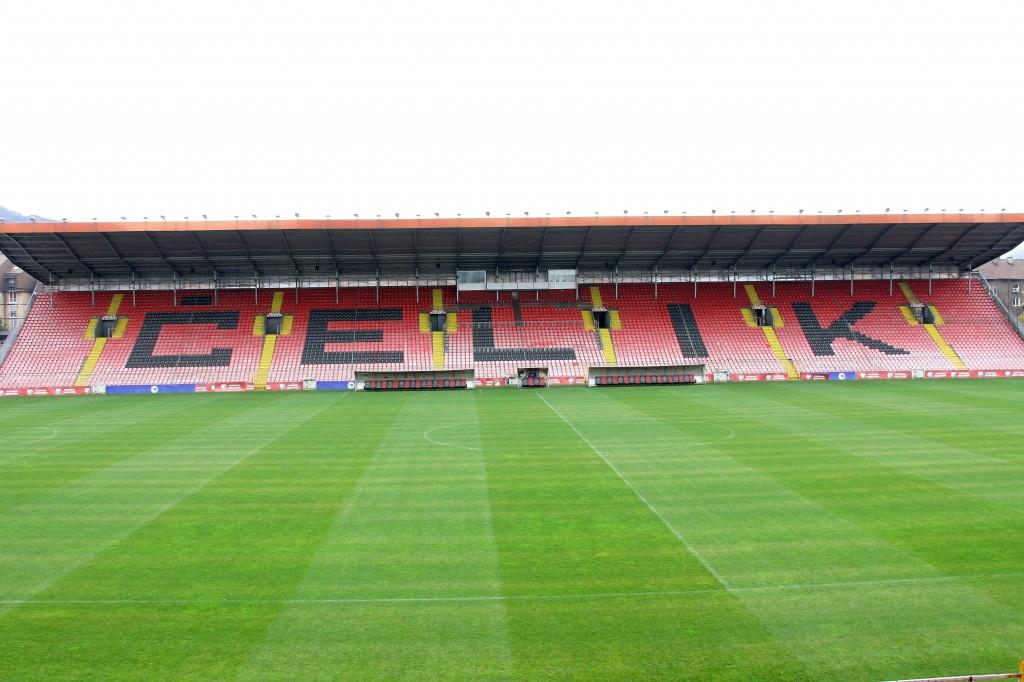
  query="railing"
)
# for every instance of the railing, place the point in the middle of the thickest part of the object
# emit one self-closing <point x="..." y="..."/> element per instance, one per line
<point x="318" y="280"/>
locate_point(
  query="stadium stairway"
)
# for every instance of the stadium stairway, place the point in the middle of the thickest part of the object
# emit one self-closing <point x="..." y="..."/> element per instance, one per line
<point x="931" y="328"/>
<point x="604" y="333"/>
<point x="100" y="342"/>
<point x="769" y="331"/>
<point x="269" y="340"/>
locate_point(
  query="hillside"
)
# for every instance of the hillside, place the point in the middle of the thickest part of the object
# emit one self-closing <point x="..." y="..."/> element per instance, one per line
<point x="10" y="216"/>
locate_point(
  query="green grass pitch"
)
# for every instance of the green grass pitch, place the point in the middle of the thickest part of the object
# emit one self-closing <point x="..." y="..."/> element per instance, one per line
<point x="851" y="531"/>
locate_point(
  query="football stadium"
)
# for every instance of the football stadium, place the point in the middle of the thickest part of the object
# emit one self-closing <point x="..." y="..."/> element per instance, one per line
<point x="574" y="447"/>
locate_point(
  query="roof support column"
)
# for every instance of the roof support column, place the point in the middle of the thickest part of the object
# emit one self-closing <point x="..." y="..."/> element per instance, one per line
<point x="929" y="279"/>
<point x="256" y="287"/>
<point x="337" y="287"/>
<point x="133" y="288"/>
<point x="378" y="285"/>
<point x="890" y="278"/>
<point x="773" y="281"/>
<point x="215" y="288"/>
<point x="812" y="280"/>
<point x="174" y="288"/>
<point x="655" y="282"/>
<point x="851" y="280"/>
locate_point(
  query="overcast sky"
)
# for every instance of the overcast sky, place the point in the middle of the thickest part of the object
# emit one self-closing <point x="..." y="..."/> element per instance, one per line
<point x="182" y="108"/>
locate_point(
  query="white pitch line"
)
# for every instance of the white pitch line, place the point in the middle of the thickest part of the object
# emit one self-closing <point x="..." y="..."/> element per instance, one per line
<point x="679" y="536"/>
<point x="365" y="600"/>
<point x="580" y="596"/>
<point x="52" y="434"/>
<point x="426" y="436"/>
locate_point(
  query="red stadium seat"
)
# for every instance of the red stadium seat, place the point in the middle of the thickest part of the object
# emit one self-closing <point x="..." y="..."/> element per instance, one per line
<point x="220" y="342"/>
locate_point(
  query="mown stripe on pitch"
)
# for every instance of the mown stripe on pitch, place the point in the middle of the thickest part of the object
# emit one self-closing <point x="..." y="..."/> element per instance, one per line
<point x="851" y="584"/>
<point x="77" y="522"/>
<point x="288" y="533"/>
<point x="992" y="425"/>
<point x="778" y="454"/>
<point x="59" y="462"/>
<point x="416" y="523"/>
<point x="935" y="456"/>
<point x="565" y="523"/>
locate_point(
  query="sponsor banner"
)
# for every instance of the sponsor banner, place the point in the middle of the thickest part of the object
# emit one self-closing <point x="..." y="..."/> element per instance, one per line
<point x="747" y="377"/>
<point x="974" y="374"/>
<point x="491" y="382"/>
<point x="948" y="374"/>
<point x="335" y="385"/>
<point x="566" y="381"/>
<point x="224" y="387"/>
<point x="771" y="376"/>
<point x="814" y="376"/>
<point x="842" y="376"/>
<point x="132" y="389"/>
<point x="829" y="376"/>
<point x="873" y="376"/>
<point x="44" y="391"/>
<point x="284" y="386"/>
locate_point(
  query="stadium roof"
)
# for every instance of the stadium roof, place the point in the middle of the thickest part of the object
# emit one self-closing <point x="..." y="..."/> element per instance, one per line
<point x="55" y="251"/>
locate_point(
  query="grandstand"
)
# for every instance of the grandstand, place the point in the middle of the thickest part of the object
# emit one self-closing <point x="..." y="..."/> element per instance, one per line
<point x="438" y="303"/>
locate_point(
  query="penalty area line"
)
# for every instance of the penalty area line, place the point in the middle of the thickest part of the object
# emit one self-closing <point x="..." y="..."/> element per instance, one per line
<point x="578" y="596"/>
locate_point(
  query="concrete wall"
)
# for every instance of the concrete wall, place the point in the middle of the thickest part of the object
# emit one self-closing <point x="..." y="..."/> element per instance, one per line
<point x="16" y="289"/>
